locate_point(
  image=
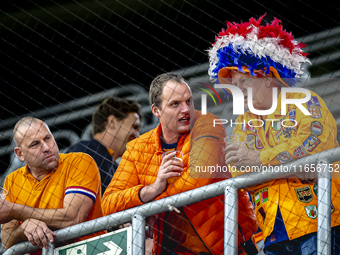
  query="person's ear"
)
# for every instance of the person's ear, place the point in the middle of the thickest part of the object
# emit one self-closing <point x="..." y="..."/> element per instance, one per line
<point x="111" y="121"/>
<point x="156" y="111"/>
<point x="18" y="151"/>
<point x="269" y="79"/>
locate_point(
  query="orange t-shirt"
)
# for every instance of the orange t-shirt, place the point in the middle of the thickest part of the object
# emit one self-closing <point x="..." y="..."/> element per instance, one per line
<point x="75" y="173"/>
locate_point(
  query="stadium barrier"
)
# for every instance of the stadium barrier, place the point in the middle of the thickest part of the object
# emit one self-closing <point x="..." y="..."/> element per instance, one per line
<point x="228" y="187"/>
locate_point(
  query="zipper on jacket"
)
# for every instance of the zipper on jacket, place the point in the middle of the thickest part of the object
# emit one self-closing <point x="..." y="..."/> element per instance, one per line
<point x="243" y="237"/>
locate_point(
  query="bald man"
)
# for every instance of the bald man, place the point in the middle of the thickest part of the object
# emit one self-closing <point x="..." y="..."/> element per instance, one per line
<point x="51" y="191"/>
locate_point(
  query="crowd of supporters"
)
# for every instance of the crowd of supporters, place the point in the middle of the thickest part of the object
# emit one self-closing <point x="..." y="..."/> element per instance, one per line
<point x="56" y="190"/>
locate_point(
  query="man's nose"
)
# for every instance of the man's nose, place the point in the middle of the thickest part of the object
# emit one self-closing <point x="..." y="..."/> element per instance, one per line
<point x="45" y="146"/>
<point x="185" y="107"/>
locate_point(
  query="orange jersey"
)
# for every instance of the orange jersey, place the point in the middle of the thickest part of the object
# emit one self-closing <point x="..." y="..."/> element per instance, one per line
<point x="75" y="173"/>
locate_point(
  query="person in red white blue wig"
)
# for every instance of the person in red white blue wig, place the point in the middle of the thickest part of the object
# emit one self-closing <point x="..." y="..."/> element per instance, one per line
<point x="261" y="60"/>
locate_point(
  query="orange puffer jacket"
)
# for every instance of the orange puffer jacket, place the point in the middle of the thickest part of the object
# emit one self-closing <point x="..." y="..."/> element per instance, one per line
<point x="139" y="167"/>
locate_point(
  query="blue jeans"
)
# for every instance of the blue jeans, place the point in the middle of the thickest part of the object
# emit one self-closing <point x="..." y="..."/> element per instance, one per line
<point x="305" y="245"/>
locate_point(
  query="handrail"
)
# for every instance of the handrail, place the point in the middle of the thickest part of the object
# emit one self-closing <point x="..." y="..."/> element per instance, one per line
<point x="56" y="110"/>
<point x="179" y="200"/>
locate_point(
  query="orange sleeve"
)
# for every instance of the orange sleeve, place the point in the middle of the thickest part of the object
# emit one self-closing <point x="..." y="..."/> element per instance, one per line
<point x="207" y="150"/>
<point x="7" y="184"/>
<point x="122" y="192"/>
<point x="83" y="176"/>
<point x="17" y="187"/>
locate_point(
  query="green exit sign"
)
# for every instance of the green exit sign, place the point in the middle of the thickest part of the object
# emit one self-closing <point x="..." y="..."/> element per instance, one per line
<point x="114" y="243"/>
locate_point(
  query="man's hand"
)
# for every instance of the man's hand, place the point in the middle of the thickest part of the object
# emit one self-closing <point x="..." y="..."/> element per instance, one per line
<point x="241" y="156"/>
<point x="125" y="225"/>
<point x="37" y="232"/>
<point x="169" y="168"/>
<point x="150" y="221"/>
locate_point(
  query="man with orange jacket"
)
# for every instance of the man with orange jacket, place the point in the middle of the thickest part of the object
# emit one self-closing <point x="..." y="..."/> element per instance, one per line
<point x="143" y="175"/>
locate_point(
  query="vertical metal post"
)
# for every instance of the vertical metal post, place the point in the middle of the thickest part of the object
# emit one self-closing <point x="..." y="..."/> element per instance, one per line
<point x="50" y="250"/>
<point x="324" y="208"/>
<point x="231" y="221"/>
<point x="138" y="235"/>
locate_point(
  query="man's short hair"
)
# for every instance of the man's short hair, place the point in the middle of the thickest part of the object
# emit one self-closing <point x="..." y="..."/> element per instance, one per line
<point x="157" y="85"/>
<point x="118" y="107"/>
<point x="23" y="121"/>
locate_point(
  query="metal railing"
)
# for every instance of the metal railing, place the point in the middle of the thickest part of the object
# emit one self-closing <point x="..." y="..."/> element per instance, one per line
<point x="228" y="187"/>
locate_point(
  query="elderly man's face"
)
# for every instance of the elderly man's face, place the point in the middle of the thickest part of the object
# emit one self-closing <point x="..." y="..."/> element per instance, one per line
<point x="262" y="89"/>
<point x="37" y="147"/>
